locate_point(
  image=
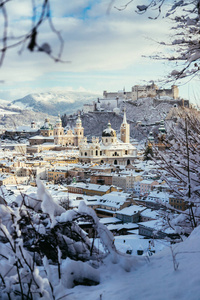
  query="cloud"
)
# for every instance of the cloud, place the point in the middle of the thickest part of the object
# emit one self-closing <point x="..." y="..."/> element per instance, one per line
<point x="95" y="42"/>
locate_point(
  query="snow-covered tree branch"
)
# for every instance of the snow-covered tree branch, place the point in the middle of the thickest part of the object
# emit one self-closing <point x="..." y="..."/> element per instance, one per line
<point x="183" y="49"/>
<point x="180" y="160"/>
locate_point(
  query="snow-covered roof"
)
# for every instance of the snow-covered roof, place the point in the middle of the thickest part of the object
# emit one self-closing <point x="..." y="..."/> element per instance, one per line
<point x="4" y="176"/>
<point x="131" y="210"/>
<point x="113" y="199"/>
<point x="91" y="186"/>
<point x="149" y="213"/>
<point x="37" y="137"/>
<point x="147" y="181"/>
<point x="122" y="226"/>
<point x="117" y="146"/>
<point x="155" y="195"/>
<point x="23" y="128"/>
<point x="157" y="225"/>
<point x="109" y="220"/>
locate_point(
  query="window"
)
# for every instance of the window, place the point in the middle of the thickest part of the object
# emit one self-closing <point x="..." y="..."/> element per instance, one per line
<point x="85" y="153"/>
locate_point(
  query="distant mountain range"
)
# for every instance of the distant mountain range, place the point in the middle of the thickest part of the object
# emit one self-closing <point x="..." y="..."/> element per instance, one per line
<point x="36" y="107"/>
<point x="53" y="103"/>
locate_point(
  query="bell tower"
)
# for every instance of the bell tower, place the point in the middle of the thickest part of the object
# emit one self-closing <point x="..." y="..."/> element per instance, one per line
<point x="125" y="130"/>
<point x="78" y="131"/>
<point x="58" y="132"/>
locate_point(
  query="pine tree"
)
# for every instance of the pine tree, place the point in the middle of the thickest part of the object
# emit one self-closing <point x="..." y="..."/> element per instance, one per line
<point x="148" y="154"/>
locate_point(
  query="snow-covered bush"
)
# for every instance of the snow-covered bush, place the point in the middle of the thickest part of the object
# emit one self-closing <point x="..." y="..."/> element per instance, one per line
<point x="36" y="244"/>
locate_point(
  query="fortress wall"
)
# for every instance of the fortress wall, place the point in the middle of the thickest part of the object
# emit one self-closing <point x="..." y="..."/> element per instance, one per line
<point x="177" y="102"/>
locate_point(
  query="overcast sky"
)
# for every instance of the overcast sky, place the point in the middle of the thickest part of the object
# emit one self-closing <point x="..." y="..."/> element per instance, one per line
<point x="104" y="51"/>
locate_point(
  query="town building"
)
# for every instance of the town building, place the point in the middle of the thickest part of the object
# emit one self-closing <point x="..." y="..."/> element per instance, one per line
<point x="178" y="203"/>
<point x="145" y="186"/>
<point x="55" y="136"/>
<point x="126" y="181"/>
<point x="70" y="138"/>
<point x="91" y="189"/>
<point x="112" y="202"/>
<point x="130" y="214"/>
<point x="110" y="149"/>
<point x="102" y="178"/>
<point x="22" y="131"/>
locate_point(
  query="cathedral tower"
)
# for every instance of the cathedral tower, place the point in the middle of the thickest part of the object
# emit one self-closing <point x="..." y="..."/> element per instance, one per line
<point x="58" y="132"/>
<point x="125" y="130"/>
<point x="78" y="131"/>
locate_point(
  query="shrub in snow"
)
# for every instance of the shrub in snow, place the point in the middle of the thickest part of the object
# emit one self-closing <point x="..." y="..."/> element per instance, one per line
<point x="36" y="244"/>
<point x="77" y="272"/>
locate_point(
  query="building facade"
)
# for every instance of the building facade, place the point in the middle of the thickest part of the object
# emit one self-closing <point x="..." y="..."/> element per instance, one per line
<point x="110" y="149"/>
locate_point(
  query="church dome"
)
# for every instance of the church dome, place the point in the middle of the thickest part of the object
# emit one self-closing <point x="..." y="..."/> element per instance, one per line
<point x="109" y="131"/>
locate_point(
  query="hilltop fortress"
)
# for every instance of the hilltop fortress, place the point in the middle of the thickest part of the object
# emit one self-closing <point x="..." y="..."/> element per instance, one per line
<point x="113" y="101"/>
<point x="144" y="91"/>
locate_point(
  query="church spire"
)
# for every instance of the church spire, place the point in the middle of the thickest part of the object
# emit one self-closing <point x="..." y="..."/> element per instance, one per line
<point x="124" y="119"/>
<point x="125" y="129"/>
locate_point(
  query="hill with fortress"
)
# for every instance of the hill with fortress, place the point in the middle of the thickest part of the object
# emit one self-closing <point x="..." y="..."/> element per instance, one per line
<point x="145" y="107"/>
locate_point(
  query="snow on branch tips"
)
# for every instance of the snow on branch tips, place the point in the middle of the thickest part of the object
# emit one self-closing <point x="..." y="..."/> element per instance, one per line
<point x="48" y="205"/>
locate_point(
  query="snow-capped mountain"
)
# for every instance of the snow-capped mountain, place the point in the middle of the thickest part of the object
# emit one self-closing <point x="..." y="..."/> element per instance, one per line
<point x="54" y="103"/>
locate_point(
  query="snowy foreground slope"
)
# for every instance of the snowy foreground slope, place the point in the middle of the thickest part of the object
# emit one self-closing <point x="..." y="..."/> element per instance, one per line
<point x="155" y="279"/>
<point x="39" y="225"/>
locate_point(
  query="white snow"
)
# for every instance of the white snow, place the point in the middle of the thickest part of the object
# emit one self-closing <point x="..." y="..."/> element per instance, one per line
<point x="150" y="279"/>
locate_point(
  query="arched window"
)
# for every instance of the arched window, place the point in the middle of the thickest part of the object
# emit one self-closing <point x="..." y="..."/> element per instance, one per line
<point x="115" y="153"/>
<point x="128" y="162"/>
<point x="115" y="162"/>
<point x="106" y="140"/>
<point x="96" y="152"/>
<point x="85" y="153"/>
